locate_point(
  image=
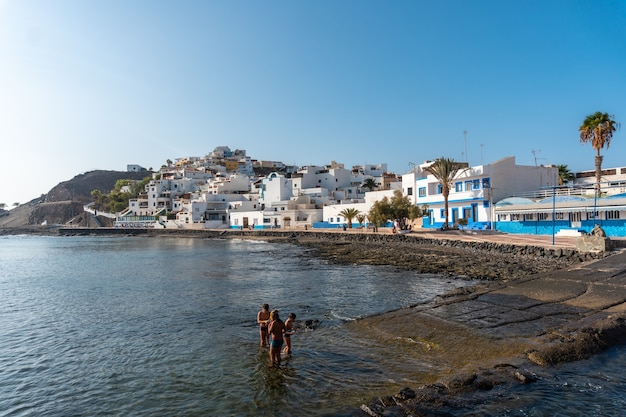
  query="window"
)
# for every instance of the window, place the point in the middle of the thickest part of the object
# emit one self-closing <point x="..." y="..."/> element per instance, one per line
<point x="515" y="216"/>
<point x="438" y="188"/>
<point x="542" y="216"/>
<point x="476" y="185"/>
<point x="486" y="204"/>
<point x="529" y="216"/>
<point x="442" y="213"/>
<point x="422" y="191"/>
<point x="613" y="214"/>
<point x="559" y="216"/>
<point x="486" y="183"/>
<point x="458" y="187"/>
<point x="576" y="217"/>
<point x="592" y="216"/>
<point x="409" y="191"/>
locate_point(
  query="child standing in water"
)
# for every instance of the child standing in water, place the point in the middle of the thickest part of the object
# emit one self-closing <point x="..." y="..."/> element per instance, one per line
<point x="276" y="329"/>
<point x="289" y="330"/>
<point x="263" y="318"/>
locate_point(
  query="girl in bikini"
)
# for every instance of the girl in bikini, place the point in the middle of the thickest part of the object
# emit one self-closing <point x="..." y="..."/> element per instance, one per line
<point x="276" y="330"/>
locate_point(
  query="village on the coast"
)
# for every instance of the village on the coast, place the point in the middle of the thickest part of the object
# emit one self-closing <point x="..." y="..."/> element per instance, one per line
<point x="224" y="190"/>
<point x="221" y="191"/>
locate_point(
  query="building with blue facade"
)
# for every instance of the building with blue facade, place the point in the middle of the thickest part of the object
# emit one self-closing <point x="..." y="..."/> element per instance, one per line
<point x="562" y="211"/>
<point x="474" y="190"/>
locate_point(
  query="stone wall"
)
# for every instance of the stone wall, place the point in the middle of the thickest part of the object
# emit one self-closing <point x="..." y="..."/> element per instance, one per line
<point x="483" y="246"/>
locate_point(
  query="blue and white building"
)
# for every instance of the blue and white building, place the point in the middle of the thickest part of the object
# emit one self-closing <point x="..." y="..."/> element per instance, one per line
<point x="474" y="190"/>
<point x="568" y="210"/>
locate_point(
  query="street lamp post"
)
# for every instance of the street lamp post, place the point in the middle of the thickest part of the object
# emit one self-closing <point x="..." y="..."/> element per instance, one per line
<point x="553" y="187"/>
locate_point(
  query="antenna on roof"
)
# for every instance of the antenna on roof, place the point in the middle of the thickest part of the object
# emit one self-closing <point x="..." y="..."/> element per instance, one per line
<point x="534" y="152"/>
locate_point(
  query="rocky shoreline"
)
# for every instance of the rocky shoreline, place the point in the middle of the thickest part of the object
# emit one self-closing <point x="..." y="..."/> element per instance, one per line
<point x="512" y="275"/>
<point x="449" y="256"/>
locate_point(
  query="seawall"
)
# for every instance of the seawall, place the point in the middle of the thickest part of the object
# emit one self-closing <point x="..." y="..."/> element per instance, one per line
<point x="450" y="241"/>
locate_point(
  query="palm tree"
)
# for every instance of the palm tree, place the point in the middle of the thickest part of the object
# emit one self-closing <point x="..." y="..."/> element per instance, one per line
<point x="349" y="214"/>
<point x="598" y="129"/>
<point x="565" y="175"/>
<point x="361" y="219"/>
<point x="370" y="184"/>
<point x="445" y="170"/>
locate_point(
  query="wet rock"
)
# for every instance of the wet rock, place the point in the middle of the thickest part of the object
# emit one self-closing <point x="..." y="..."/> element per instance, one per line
<point x="524" y="377"/>
<point x="311" y="324"/>
<point x="405" y="394"/>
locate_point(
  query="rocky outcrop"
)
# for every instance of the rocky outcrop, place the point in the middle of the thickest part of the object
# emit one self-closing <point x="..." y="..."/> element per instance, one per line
<point x="80" y="187"/>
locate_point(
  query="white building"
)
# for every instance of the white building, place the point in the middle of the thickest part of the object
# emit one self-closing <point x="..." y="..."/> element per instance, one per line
<point x="134" y="168"/>
<point x="474" y="190"/>
<point x="613" y="180"/>
<point x="332" y="217"/>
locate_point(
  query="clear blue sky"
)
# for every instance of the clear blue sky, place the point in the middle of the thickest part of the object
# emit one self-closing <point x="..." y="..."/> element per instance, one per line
<point x="88" y="84"/>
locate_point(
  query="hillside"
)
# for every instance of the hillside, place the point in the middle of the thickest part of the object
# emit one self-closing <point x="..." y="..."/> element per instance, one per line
<point x="79" y="188"/>
<point x="64" y="203"/>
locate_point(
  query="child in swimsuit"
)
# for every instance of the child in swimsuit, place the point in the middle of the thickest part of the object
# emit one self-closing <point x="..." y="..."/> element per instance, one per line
<point x="289" y="330"/>
<point x="276" y="329"/>
<point x="263" y="318"/>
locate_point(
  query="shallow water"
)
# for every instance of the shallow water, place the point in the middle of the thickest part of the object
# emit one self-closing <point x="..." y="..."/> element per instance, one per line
<point x="166" y="326"/>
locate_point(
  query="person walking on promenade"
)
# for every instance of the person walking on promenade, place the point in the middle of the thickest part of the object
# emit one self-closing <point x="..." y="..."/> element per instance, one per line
<point x="276" y="330"/>
<point x="289" y="330"/>
<point x="263" y="318"/>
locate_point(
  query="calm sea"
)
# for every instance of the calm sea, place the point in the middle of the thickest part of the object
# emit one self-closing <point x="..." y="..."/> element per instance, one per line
<point x="166" y="327"/>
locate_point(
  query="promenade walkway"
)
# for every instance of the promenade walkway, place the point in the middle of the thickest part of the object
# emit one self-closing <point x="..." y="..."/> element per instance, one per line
<point x="511" y="239"/>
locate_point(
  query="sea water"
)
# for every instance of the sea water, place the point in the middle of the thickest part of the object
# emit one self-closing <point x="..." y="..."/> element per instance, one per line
<point x="95" y="326"/>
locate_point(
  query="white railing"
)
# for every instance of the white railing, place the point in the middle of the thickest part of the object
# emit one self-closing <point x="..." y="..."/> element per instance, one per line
<point x="88" y="209"/>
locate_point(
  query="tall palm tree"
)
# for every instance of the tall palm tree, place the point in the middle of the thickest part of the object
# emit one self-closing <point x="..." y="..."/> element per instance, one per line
<point x="598" y="129"/>
<point x="349" y="214"/>
<point x="565" y="175"/>
<point x="445" y="170"/>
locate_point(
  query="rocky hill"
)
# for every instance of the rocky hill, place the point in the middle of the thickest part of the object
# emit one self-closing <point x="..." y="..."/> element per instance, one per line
<point x="64" y="203"/>
<point x="79" y="188"/>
